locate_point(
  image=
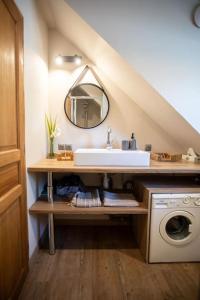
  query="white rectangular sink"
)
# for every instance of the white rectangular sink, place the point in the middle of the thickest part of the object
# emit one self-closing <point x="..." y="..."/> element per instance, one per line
<point x="113" y="157"/>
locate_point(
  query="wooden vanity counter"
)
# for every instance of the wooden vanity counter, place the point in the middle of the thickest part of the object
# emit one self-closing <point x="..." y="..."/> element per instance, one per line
<point x="141" y="212"/>
<point x="52" y="165"/>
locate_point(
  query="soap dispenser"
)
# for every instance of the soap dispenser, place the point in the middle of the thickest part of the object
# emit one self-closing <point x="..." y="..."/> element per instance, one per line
<point x="132" y="143"/>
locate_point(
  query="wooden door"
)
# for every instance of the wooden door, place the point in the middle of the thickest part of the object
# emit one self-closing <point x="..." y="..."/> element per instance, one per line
<point x="13" y="219"/>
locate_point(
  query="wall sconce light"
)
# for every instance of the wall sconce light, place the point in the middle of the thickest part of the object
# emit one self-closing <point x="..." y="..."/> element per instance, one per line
<point x="196" y="16"/>
<point x="60" y="59"/>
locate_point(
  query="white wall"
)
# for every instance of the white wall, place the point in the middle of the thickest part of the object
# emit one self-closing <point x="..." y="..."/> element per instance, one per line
<point x="36" y="98"/>
<point x="124" y="116"/>
<point x="122" y="74"/>
<point x="158" y="39"/>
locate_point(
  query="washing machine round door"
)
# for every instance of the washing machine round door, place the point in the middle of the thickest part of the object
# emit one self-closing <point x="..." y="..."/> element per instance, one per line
<point x="178" y="228"/>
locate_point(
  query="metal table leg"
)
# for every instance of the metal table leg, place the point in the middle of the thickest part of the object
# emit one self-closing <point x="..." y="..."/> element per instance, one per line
<point x="51" y="234"/>
<point x="50" y="215"/>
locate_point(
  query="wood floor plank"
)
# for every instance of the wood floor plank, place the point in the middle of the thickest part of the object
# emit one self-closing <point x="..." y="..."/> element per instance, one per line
<point x="103" y="263"/>
<point x="87" y="271"/>
<point x="107" y="276"/>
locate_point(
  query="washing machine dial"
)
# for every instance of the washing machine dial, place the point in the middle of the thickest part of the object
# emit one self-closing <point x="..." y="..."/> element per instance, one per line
<point x="197" y="202"/>
<point x="187" y="200"/>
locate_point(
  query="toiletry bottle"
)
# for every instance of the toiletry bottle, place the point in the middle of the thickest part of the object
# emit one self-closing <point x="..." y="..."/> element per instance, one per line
<point x="107" y="182"/>
<point x="132" y="145"/>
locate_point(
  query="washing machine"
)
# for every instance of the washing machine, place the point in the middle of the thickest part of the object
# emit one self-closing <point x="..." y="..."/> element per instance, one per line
<point x="174" y="228"/>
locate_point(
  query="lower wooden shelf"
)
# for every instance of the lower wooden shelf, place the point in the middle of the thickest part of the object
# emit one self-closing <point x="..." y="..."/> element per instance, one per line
<point x="42" y="207"/>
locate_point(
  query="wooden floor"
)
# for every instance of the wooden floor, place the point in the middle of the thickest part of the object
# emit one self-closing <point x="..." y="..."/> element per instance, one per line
<point x="103" y="263"/>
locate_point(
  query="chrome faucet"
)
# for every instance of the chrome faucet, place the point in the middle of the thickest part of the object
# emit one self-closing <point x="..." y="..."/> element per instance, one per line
<point x="108" y="144"/>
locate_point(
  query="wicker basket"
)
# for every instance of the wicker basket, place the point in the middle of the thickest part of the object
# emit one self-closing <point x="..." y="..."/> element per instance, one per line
<point x="166" y="157"/>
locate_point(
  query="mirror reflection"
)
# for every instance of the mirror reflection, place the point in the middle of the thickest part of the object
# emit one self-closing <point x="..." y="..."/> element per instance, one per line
<point x="86" y="105"/>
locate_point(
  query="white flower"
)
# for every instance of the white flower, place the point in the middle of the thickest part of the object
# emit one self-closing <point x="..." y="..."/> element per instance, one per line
<point x="58" y="132"/>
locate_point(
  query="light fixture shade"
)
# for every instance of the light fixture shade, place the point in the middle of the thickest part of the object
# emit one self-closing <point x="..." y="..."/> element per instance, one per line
<point x="68" y="58"/>
<point x="59" y="60"/>
<point x="77" y="59"/>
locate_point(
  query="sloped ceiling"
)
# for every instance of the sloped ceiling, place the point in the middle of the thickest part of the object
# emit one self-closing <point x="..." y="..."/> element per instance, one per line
<point x="158" y="39"/>
<point x="61" y="16"/>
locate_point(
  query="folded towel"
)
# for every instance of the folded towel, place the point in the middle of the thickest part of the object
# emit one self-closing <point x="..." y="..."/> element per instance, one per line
<point x="86" y="199"/>
<point x="119" y="199"/>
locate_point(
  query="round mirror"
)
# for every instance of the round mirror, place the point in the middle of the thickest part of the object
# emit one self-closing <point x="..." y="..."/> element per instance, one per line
<point x="86" y="105"/>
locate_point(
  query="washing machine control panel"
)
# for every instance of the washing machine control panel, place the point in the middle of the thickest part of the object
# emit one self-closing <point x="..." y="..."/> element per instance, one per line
<point x="175" y="200"/>
<point x="197" y="202"/>
<point x="187" y="200"/>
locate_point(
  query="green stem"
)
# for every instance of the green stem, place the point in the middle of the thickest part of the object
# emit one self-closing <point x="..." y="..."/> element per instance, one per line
<point x="51" y="148"/>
